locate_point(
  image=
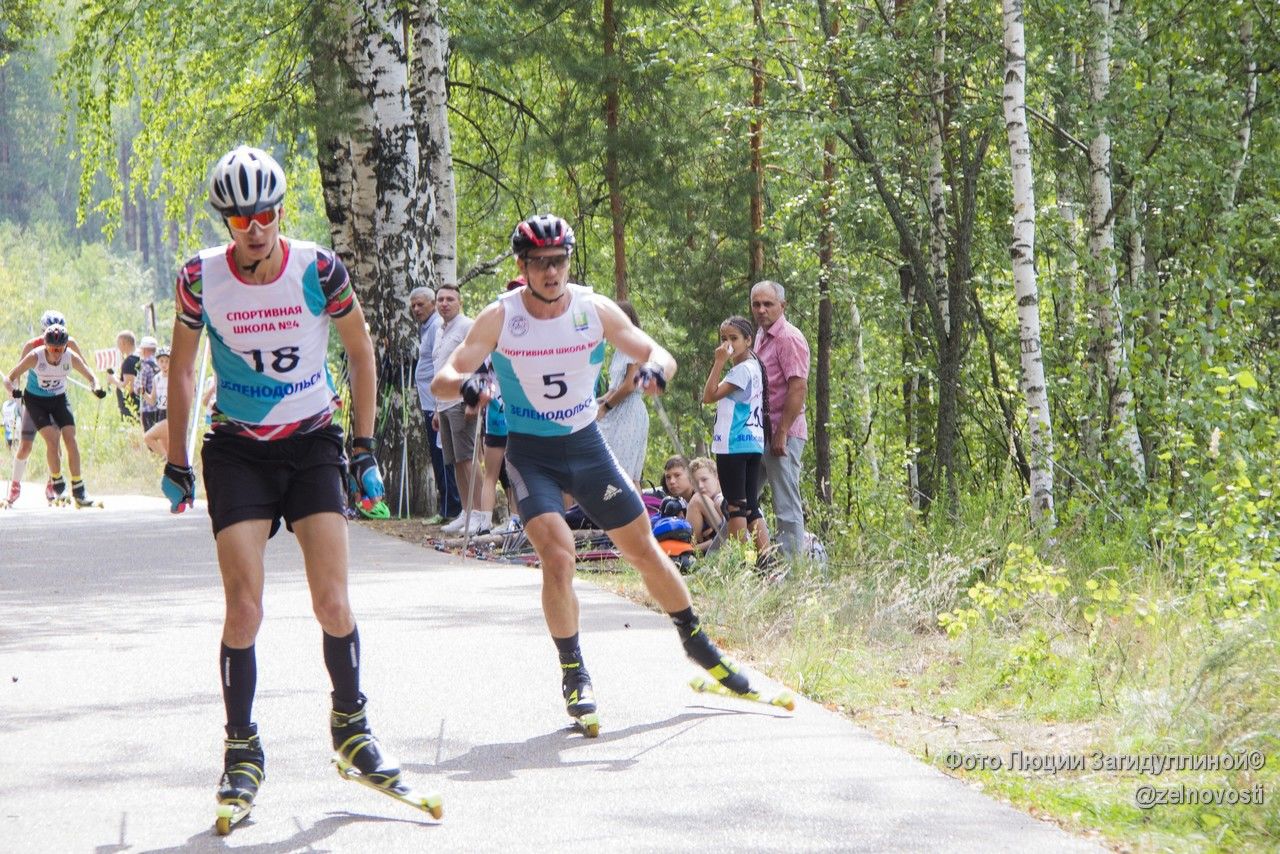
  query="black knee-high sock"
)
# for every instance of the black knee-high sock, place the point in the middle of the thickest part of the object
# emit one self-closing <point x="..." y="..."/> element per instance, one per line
<point x="686" y="622"/>
<point x="568" y="649"/>
<point x="342" y="658"/>
<point x="239" y="677"/>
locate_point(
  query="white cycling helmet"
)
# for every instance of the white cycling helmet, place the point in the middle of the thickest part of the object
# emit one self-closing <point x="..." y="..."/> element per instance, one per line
<point x="245" y="181"/>
<point x="148" y="341"/>
<point x="51" y="317"/>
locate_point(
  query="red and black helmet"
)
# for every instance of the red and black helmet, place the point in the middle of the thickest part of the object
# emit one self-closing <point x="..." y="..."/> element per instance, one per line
<point x="56" y="335"/>
<point x="541" y="230"/>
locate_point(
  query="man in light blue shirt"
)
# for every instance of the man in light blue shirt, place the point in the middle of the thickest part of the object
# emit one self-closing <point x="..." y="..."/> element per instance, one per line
<point x="422" y="305"/>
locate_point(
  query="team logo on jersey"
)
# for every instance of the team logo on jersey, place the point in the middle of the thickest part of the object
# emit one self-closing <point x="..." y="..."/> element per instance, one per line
<point x="519" y="326"/>
<point x="580" y="323"/>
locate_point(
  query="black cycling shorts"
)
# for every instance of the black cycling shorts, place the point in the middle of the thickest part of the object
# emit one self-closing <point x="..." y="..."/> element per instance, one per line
<point x="581" y="464"/>
<point x="49" y="411"/>
<point x="289" y="478"/>
<point x="152" y="418"/>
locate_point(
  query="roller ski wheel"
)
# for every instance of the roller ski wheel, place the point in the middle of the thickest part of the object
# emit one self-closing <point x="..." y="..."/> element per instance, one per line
<point x="783" y="699"/>
<point x="230" y="814"/>
<point x="431" y="803"/>
<point x="82" y="503"/>
<point x="588" y="725"/>
<point x="60" y="501"/>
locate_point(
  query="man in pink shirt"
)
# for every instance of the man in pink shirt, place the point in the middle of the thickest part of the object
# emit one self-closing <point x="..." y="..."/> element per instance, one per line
<point x="784" y="355"/>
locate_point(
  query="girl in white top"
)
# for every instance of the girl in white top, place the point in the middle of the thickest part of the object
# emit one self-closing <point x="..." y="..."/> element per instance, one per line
<point x="738" y="437"/>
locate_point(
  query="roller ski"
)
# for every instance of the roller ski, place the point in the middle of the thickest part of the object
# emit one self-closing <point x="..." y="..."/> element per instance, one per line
<point x="243" y="764"/>
<point x="82" y="500"/>
<point x="580" y="699"/>
<point x="360" y="759"/>
<point x="55" y="491"/>
<point x="15" y="489"/>
<point x="727" y="680"/>
<point x="783" y="699"/>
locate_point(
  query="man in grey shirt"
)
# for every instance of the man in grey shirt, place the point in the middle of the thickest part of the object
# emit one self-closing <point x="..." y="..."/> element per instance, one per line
<point x="457" y="428"/>
<point x="422" y="305"/>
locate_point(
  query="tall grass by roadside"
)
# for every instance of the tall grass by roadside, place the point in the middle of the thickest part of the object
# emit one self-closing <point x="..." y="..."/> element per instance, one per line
<point x="973" y="641"/>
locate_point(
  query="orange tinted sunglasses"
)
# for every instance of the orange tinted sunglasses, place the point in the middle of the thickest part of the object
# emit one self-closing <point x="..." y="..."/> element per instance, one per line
<point x="262" y="218"/>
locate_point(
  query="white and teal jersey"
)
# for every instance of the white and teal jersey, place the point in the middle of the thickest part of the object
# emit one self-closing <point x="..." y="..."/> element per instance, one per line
<point x="49" y="379"/>
<point x="738" y="428"/>
<point x="547" y="369"/>
<point x="269" y="341"/>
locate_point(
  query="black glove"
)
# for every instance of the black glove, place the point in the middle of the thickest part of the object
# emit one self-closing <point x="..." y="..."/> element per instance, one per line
<point x="111" y="371"/>
<point x="179" y="486"/>
<point x="476" y="385"/>
<point x="17" y="392"/>
<point x="100" y="393"/>
<point x="651" y="372"/>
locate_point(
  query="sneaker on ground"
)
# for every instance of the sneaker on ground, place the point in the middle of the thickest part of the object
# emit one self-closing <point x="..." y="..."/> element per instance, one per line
<point x="454" y="526"/>
<point x="481" y="522"/>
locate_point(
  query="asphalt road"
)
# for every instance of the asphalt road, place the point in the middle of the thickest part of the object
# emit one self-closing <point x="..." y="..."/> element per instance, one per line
<point x="111" y="717"/>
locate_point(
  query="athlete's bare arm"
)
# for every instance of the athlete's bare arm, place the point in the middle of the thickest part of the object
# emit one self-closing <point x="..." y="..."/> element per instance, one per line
<point x="182" y="384"/>
<point x="28" y="362"/>
<point x="79" y="364"/>
<point x="471" y="353"/>
<point x="363" y="368"/>
<point x="630" y="339"/>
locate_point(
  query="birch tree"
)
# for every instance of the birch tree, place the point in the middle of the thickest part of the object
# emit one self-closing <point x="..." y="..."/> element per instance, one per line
<point x="1109" y="359"/>
<point x="437" y="193"/>
<point x="1022" y="253"/>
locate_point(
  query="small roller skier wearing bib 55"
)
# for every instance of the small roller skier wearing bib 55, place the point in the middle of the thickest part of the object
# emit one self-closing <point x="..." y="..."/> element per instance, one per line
<point x="48" y="369"/>
<point x="547" y="343"/>
<point x="27" y="434"/>
<point x="274" y="453"/>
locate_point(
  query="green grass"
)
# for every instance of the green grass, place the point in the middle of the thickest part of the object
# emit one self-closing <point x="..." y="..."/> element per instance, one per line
<point x="1167" y="676"/>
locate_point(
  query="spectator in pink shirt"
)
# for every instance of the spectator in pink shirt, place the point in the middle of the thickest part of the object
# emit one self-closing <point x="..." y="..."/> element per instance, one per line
<point x="784" y="355"/>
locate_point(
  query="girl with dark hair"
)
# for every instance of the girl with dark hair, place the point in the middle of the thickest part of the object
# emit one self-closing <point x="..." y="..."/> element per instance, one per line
<point x="738" y="435"/>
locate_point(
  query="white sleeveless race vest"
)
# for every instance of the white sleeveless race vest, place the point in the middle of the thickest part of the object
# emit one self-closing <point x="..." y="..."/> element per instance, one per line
<point x="48" y="379"/>
<point x="547" y="369"/>
<point x="269" y="341"/>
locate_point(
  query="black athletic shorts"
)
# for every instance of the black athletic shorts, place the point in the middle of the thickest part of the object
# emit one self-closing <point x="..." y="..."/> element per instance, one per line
<point x="47" y="411"/>
<point x="152" y="418"/>
<point x="581" y="464"/>
<point x="288" y="478"/>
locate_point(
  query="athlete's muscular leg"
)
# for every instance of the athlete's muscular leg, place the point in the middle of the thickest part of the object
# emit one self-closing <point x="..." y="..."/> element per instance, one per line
<point x="50" y="436"/>
<point x="637" y="546"/>
<point x="553" y="541"/>
<point x="240" y="552"/>
<point x="323" y="538"/>
<point x="73" y="451"/>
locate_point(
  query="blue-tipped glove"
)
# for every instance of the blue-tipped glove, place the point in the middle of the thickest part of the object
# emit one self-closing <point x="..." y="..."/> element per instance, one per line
<point x="365" y="468"/>
<point x="651" y="374"/>
<point x="179" y="486"/>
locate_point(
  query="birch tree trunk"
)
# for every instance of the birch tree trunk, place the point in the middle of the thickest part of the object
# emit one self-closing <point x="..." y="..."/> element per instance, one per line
<point x="437" y="195"/>
<point x="1022" y="253"/>
<point x="611" y="172"/>
<point x="1244" y="132"/>
<point x="864" y="390"/>
<point x="1108" y="355"/>
<point x="937" y="175"/>
<point x="371" y="183"/>
<point x="756" y="261"/>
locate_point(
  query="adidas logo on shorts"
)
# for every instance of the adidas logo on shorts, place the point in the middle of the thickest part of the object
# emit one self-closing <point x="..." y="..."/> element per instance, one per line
<point x="610" y="492"/>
